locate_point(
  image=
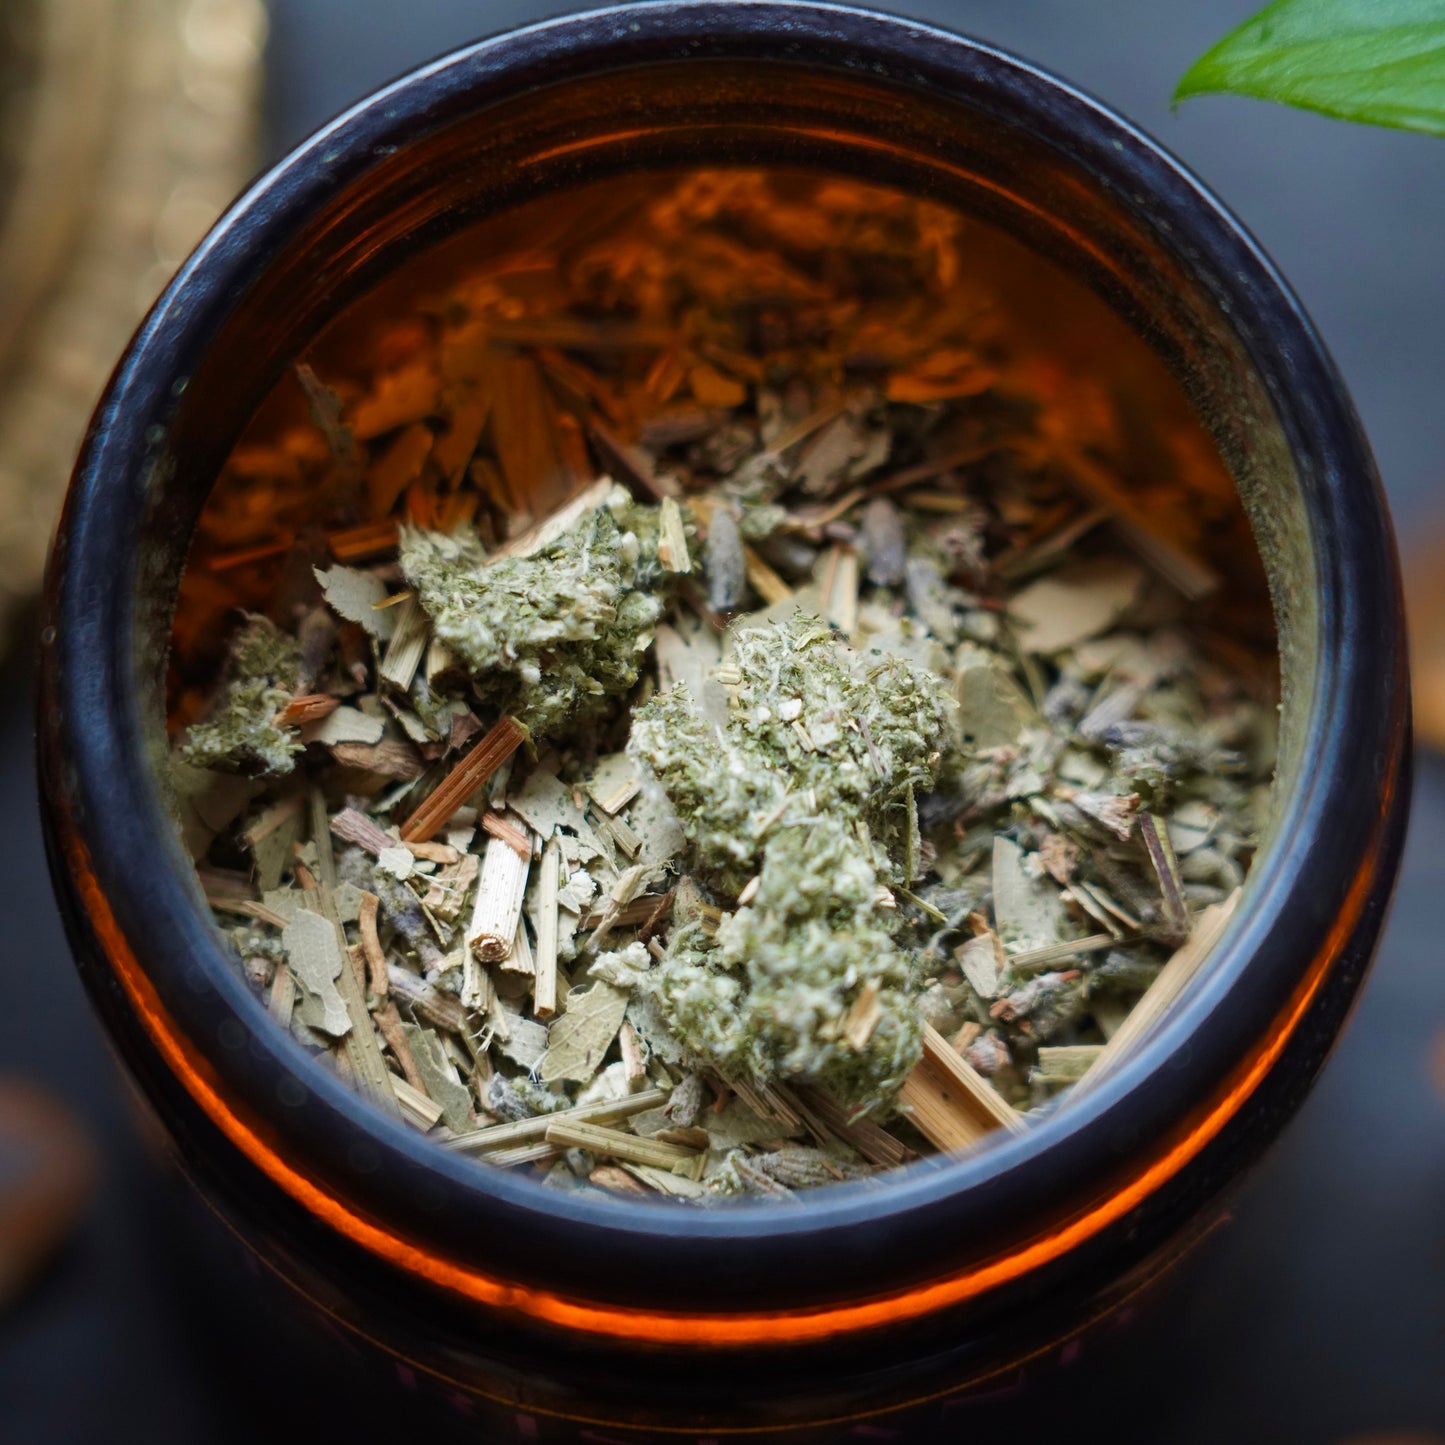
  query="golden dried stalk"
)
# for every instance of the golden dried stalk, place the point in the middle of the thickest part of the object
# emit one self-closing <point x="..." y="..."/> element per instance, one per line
<point x="544" y="985"/>
<point x="615" y="1144"/>
<point x="612" y="1111"/>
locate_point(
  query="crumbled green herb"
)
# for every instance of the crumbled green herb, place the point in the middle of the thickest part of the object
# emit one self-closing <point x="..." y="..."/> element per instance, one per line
<point x="554" y="638"/>
<point x="244" y="735"/>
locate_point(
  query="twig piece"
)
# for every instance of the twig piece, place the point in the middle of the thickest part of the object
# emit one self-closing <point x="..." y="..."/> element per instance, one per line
<point x="615" y="1144"/>
<point x="1166" y="867"/>
<point x="361" y="1048"/>
<point x="499" y="902"/>
<point x="524" y="1131"/>
<point x="431" y="1003"/>
<point x="388" y="1020"/>
<point x="453" y="791"/>
<point x="544" y="984"/>
<point x="494" y="825"/>
<point x="371" y="947"/>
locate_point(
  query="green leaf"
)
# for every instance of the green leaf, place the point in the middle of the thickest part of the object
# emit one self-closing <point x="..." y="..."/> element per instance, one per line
<point x="1377" y="61"/>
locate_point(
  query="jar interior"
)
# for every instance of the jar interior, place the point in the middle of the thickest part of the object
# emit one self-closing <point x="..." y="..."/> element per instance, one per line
<point x="1172" y="466"/>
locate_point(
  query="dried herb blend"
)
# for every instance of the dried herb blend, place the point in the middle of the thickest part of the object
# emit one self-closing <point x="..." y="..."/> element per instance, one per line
<point x="710" y="715"/>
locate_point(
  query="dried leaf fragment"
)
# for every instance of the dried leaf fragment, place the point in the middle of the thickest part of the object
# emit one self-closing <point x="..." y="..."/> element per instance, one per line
<point x="316" y="961"/>
<point x="580" y="1038"/>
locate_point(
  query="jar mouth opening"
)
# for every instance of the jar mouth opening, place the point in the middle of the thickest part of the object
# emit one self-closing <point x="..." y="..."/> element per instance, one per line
<point x="1209" y="299"/>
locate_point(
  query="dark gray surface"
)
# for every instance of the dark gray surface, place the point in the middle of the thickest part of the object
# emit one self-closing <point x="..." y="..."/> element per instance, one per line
<point x="1319" y="1315"/>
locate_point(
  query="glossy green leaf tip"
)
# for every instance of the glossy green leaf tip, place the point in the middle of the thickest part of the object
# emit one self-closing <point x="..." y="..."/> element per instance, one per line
<point x="1380" y="62"/>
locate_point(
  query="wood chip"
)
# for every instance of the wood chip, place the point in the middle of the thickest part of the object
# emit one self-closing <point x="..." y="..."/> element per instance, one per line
<point x="950" y="1103"/>
<point x="389" y="759"/>
<point x="558" y="523"/>
<point x="765" y="582"/>
<point x="863" y="1015"/>
<point x="840" y="589"/>
<point x="407" y="647"/>
<point x="672" y="539"/>
<point x="354" y="827"/>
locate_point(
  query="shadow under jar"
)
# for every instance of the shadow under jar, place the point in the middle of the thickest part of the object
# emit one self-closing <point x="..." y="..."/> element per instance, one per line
<point x="863" y="1298"/>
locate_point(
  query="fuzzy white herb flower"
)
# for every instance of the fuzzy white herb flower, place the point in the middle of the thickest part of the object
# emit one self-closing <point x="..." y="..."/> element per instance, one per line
<point x="243" y="736"/>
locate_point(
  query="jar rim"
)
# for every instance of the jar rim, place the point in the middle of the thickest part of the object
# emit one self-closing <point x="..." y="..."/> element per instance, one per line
<point x="1332" y="844"/>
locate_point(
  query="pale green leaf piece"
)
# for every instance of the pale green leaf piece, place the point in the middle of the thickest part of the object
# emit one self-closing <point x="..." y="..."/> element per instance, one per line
<point x="440" y="1077"/>
<point x="1381" y="62"/>
<point x="807" y="789"/>
<point x="315" y="955"/>
<point x="578" y="1041"/>
<point x="356" y="596"/>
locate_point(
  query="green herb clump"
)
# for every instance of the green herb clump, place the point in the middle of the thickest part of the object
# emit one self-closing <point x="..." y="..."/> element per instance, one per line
<point x="767" y="997"/>
<point x="810" y="786"/>
<point x="812" y="729"/>
<point x="551" y="638"/>
<point x="264" y="674"/>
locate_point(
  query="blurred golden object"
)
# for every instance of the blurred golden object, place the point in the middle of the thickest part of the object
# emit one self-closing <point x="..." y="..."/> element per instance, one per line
<point x="1424" y="566"/>
<point x="125" y="127"/>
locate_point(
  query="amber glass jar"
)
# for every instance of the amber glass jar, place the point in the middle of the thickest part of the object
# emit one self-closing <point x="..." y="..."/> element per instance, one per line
<point x="550" y="1305"/>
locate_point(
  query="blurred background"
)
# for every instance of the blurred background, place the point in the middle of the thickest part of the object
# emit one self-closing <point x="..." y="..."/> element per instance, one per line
<point x="1318" y="1315"/>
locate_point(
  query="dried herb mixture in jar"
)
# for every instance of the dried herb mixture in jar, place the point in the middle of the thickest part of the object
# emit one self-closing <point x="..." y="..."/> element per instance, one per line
<point x="708" y="714"/>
